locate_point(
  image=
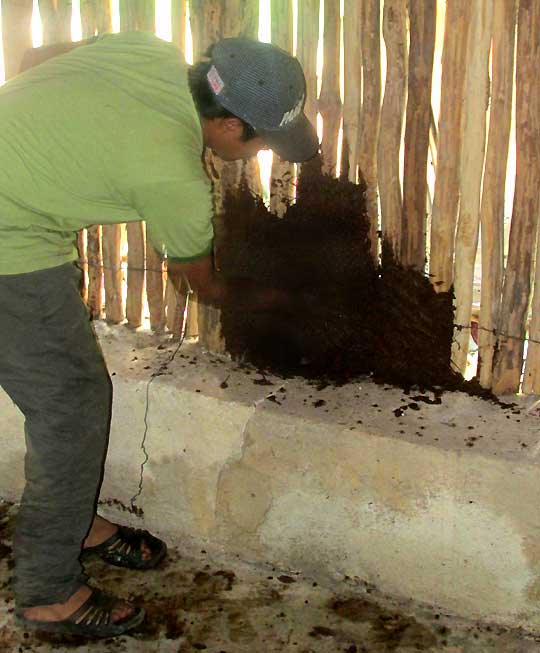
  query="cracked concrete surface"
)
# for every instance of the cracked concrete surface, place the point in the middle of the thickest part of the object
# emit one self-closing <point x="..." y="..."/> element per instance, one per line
<point x="202" y="600"/>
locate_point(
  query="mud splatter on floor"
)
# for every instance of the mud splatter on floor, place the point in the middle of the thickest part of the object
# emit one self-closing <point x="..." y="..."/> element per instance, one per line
<point x="202" y="602"/>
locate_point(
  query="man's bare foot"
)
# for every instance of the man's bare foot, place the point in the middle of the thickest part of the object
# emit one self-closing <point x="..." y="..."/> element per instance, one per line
<point x="61" y="611"/>
<point x="102" y="530"/>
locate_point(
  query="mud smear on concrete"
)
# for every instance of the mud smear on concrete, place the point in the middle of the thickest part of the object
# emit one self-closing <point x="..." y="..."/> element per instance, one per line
<point x="350" y="318"/>
<point x="392" y="629"/>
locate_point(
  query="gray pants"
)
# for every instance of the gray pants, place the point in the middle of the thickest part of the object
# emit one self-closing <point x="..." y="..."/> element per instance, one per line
<point x="52" y="368"/>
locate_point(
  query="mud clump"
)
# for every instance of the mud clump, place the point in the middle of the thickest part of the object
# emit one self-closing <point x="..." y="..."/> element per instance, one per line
<point x="350" y="316"/>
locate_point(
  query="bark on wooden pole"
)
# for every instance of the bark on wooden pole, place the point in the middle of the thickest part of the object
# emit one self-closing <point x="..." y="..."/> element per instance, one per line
<point x="422" y="21"/>
<point x="472" y="166"/>
<point x="492" y="208"/>
<point x="446" y="198"/>
<point x="16" y="33"/>
<point x="154" y="288"/>
<point x="371" y="112"/>
<point x="517" y="280"/>
<point x="138" y="15"/>
<point x="308" y="38"/>
<point x="95" y="271"/>
<point x="282" y="177"/>
<point x="395" y="37"/>
<point x="55" y="20"/>
<point x="96" y="17"/>
<point x="531" y="375"/>
<point x="329" y="100"/>
<point x="135" y="273"/>
<point x="352" y="100"/>
<point x="178" y="21"/>
<point x="112" y="272"/>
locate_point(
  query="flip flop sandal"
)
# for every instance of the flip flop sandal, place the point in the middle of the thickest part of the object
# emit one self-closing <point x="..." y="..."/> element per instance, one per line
<point x="92" y="619"/>
<point x="124" y="549"/>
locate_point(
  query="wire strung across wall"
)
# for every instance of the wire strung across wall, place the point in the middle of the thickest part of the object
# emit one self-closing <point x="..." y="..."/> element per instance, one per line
<point x="458" y="327"/>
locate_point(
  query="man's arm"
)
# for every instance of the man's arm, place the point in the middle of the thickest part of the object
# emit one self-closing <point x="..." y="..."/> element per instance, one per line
<point x="35" y="56"/>
<point x="214" y="290"/>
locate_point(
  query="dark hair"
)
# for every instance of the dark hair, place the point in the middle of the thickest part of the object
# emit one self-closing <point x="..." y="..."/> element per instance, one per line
<point x="205" y="101"/>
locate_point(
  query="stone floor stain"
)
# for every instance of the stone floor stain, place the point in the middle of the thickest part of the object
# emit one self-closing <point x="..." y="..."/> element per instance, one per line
<point x="198" y="601"/>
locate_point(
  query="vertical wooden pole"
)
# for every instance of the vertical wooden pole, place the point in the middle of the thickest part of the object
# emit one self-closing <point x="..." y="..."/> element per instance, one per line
<point x="56" y="20"/>
<point x="352" y="100"/>
<point x="330" y="100"/>
<point x="395" y="37"/>
<point x="446" y="199"/>
<point x="175" y="303"/>
<point x="492" y="208"/>
<point x="210" y="21"/>
<point x="531" y="375"/>
<point x="95" y="271"/>
<point x="282" y="177"/>
<point x="472" y="167"/>
<point x="371" y="112"/>
<point x="135" y="273"/>
<point x="154" y="288"/>
<point x="308" y="38"/>
<point x="517" y="280"/>
<point x="96" y="17"/>
<point x="422" y="21"/>
<point x="178" y="20"/>
<point x="16" y="33"/>
<point x="112" y="272"/>
<point x="138" y="15"/>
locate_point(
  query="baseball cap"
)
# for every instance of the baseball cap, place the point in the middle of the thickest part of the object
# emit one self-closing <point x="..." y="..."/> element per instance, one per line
<point x="264" y="86"/>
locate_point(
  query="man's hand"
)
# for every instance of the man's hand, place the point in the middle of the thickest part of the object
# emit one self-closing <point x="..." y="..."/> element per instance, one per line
<point x="216" y="291"/>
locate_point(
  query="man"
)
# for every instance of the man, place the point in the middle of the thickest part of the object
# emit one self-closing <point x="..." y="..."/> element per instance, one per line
<point x="109" y="132"/>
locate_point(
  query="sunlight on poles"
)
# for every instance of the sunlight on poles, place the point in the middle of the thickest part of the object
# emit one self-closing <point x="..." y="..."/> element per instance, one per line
<point x="37" y="28"/>
<point x="76" y="25"/>
<point x="115" y="15"/>
<point x="163" y="20"/>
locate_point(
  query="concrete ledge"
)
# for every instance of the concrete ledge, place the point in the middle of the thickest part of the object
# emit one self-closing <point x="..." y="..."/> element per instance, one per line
<point x="435" y="502"/>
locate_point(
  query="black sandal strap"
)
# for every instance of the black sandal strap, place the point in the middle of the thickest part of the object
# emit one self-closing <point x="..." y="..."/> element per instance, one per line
<point x="94" y="618"/>
<point x="124" y="549"/>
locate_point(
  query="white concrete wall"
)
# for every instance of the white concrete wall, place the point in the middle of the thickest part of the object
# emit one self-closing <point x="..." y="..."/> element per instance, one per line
<point x="341" y="488"/>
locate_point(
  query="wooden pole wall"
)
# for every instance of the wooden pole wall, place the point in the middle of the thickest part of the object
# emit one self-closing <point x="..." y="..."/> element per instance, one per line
<point x="392" y="113"/>
<point x="16" y="33"/>
<point x="282" y="175"/>
<point x="178" y="20"/>
<point x="352" y="101"/>
<point x="469" y="180"/>
<point x="517" y="281"/>
<point x="308" y="38"/>
<point x="492" y="208"/>
<point x="330" y="99"/>
<point x="371" y="112"/>
<point x="55" y="20"/>
<point x="446" y="198"/>
<point x="422" y="21"/>
<point x="472" y="166"/>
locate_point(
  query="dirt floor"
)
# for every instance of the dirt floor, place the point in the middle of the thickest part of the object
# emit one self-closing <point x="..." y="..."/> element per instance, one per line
<point x="197" y="601"/>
